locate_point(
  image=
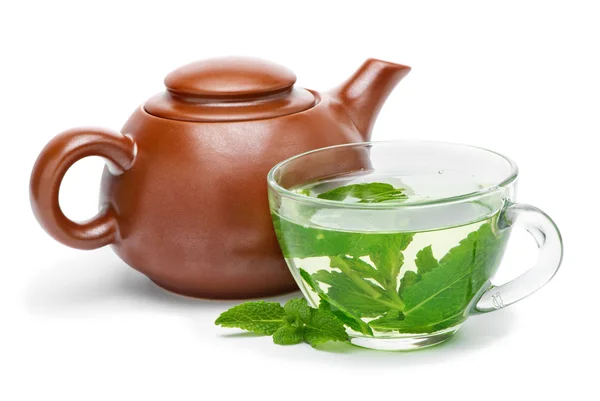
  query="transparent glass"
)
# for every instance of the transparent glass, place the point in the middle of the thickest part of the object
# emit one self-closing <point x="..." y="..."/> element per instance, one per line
<point x="406" y="273"/>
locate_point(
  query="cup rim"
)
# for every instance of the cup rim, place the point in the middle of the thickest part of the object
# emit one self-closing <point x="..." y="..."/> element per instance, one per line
<point x="274" y="185"/>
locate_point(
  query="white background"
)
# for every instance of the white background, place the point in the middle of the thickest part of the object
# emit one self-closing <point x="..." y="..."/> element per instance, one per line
<point x="519" y="77"/>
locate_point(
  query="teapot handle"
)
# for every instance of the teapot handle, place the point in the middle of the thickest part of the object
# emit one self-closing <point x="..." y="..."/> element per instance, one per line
<point x="53" y="162"/>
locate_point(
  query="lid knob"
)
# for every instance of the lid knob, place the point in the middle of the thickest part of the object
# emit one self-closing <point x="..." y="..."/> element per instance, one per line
<point x="230" y="89"/>
<point x="230" y="77"/>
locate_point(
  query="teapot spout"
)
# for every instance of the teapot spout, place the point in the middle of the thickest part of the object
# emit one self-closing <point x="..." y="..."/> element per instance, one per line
<point x="364" y="93"/>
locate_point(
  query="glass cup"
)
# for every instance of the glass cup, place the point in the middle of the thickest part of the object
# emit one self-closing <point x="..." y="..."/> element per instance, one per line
<point x="405" y="268"/>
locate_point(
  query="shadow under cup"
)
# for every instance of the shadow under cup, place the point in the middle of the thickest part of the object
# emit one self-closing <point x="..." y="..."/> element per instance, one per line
<point x="405" y="273"/>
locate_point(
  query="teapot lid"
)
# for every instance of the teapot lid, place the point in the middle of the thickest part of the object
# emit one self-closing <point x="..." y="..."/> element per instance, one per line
<point x="230" y="89"/>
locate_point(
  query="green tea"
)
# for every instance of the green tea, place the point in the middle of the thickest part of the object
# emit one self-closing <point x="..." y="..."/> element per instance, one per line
<point x="395" y="270"/>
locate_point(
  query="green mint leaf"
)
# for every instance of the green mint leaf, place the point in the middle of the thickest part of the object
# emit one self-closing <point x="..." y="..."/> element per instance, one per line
<point x="344" y="317"/>
<point x="438" y="300"/>
<point x="360" y="297"/>
<point x="425" y="262"/>
<point x="288" y="335"/>
<point x="298" y="241"/>
<point x="323" y="327"/>
<point x="338" y="310"/>
<point x="388" y="259"/>
<point x="298" y="310"/>
<point x="356" y="265"/>
<point x="409" y="279"/>
<point x="388" y="322"/>
<point x="259" y="317"/>
<point x="292" y="324"/>
<point x="373" y="192"/>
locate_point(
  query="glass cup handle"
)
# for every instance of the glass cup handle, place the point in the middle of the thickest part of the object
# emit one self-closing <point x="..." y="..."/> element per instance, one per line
<point x="549" y="242"/>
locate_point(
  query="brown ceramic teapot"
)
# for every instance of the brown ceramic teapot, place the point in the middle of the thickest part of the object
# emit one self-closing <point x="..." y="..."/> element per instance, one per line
<point x="184" y="195"/>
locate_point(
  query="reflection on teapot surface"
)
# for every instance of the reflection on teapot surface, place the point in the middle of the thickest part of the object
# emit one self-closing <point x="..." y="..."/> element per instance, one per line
<point x="184" y="195"/>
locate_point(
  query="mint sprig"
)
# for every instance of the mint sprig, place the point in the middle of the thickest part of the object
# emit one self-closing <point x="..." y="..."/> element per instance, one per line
<point x="293" y="323"/>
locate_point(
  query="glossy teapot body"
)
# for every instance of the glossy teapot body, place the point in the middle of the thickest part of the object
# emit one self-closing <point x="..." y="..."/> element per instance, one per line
<point x="185" y="202"/>
<point x="193" y="210"/>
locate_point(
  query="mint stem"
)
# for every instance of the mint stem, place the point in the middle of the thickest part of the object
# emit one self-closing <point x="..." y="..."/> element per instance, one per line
<point x="341" y="263"/>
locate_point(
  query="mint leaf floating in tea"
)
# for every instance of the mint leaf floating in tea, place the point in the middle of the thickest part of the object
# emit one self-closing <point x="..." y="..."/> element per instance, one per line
<point x="430" y="299"/>
<point x="299" y="241"/>
<point x="360" y="289"/>
<point x="292" y="324"/>
<point x="372" y="192"/>
<point x="439" y="298"/>
<point x="360" y="297"/>
<point x="388" y="259"/>
<point x="388" y="322"/>
<point x="340" y="311"/>
<point x="425" y="263"/>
